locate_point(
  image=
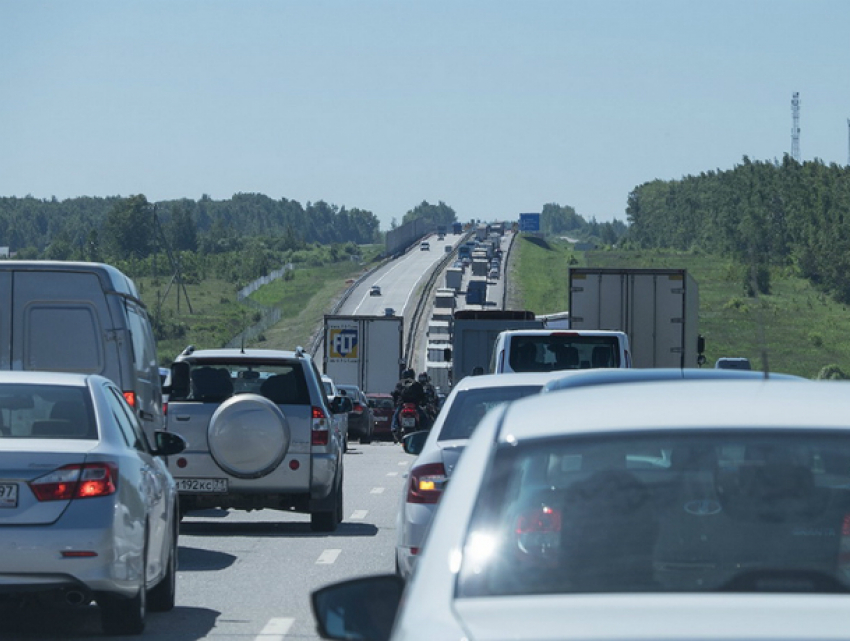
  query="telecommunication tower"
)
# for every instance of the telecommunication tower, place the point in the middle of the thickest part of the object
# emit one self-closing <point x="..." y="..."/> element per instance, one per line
<point x="795" y="126"/>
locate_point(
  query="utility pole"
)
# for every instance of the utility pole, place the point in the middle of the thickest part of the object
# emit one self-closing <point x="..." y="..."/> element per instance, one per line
<point x="848" y="142"/>
<point x="795" y="126"/>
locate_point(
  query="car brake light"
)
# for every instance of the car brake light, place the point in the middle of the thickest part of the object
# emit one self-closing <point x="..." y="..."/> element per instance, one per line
<point x="357" y="408"/>
<point x="408" y="412"/>
<point x="165" y="409"/>
<point x="76" y="482"/>
<point x="130" y="397"/>
<point x="427" y="483"/>
<point x="320" y="435"/>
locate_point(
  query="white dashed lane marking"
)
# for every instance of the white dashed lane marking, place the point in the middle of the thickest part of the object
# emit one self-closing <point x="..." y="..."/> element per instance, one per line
<point x="377" y="490"/>
<point x="327" y="557"/>
<point x="358" y="515"/>
<point x="392" y="473"/>
<point x="275" y="630"/>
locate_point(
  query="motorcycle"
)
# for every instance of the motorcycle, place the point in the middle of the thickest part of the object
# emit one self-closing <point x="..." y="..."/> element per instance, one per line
<point x="411" y="418"/>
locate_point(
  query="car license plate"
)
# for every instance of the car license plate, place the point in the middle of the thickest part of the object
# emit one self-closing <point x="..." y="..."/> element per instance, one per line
<point x="380" y="419"/>
<point x="202" y="486"/>
<point x="8" y="495"/>
<point x="408" y="422"/>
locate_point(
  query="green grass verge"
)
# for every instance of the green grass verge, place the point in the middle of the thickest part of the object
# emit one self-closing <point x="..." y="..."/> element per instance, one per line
<point x="796" y="328"/>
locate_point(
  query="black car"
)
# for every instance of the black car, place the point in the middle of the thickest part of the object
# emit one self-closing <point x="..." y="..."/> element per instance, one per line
<point x="360" y="419"/>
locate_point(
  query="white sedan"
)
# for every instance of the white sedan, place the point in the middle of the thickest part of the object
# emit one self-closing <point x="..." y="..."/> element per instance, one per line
<point x="659" y="510"/>
<point x="468" y="402"/>
<point x="88" y="510"/>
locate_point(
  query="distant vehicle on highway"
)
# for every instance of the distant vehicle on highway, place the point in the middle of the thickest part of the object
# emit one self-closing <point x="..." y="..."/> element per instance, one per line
<point x="728" y="505"/>
<point x="360" y="420"/>
<point x="88" y="510"/>
<point x="733" y="363"/>
<point x="382" y="413"/>
<point x="424" y="246"/>
<point x="375" y="290"/>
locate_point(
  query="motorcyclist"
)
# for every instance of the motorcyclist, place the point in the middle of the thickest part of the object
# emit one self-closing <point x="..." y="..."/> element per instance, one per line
<point x="408" y="390"/>
<point x="430" y="403"/>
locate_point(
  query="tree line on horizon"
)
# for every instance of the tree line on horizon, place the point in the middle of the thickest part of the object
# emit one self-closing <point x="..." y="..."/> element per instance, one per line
<point x="765" y="215"/>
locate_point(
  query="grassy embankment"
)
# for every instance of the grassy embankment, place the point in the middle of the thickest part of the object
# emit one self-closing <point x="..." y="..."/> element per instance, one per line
<point x="217" y="317"/>
<point x="800" y="329"/>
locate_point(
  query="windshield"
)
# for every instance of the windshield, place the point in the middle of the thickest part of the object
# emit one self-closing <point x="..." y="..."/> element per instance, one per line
<point x="673" y="512"/>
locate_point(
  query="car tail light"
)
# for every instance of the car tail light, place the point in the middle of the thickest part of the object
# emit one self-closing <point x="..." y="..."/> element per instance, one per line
<point x="357" y="409"/>
<point x="427" y="483"/>
<point x="165" y="409"/>
<point x="319" y="435"/>
<point x="130" y="397"/>
<point x="538" y="534"/>
<point x="76" y="482"/>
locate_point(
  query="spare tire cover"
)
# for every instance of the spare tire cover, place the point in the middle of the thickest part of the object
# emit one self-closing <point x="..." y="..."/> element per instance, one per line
<point x="248" y="436"/>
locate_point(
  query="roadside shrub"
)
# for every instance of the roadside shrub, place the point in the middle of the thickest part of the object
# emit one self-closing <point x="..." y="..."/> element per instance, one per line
<point x="832" y="373"/>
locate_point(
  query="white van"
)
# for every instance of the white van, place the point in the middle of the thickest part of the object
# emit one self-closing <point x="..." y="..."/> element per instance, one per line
<point x="80" y="317"/>
<point x="546" y="350"/>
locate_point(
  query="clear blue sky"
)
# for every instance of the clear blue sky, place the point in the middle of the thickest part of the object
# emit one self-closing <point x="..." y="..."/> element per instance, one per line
<point x="494" y="107"/>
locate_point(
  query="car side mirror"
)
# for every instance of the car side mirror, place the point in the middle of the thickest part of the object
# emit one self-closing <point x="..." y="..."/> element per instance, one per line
<point x="363" y="608"/>
<point x="413" y="443"/>
<point x="341" y="405"/>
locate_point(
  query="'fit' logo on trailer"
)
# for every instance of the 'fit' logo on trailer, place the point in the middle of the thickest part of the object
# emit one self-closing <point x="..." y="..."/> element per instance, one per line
<point x="343" y="343"/>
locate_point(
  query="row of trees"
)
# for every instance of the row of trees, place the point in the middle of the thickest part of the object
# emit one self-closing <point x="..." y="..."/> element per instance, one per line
<point x="763" y="214"/>
<point x="557" y="220"/>
<point x="103" y="228"/>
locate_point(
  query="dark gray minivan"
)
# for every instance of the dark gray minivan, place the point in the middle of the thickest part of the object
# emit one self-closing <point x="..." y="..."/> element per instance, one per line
<point x="80" y="317"/>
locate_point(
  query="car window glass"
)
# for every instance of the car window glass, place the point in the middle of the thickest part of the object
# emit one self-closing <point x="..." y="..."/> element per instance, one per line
<point x="671" y="512"/>
<point x="46" y="412"/>
<point x="470" y="406"/>
<point x="281" y="381"/>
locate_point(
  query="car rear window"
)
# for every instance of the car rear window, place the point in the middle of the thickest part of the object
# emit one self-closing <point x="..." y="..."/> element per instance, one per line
<point x="281" y="382"/>
<point x="469" y="406"/>
<point x="46" y="412"/>
<point x="562" y="351"/>
<point x="674" y="512"/>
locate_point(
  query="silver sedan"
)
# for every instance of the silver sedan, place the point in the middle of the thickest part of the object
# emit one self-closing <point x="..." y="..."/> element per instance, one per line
<point x="88" y="510"/>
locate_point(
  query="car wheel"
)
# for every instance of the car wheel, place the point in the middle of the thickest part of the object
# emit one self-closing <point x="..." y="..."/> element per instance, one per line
<point x="366" y="437"/>
<point x="327" y="521"/>
<point x="162" y="596"/>
<point x="121" y="615"/>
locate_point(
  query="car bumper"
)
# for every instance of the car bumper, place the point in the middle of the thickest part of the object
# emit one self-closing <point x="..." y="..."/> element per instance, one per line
<point x="32" y="560"/>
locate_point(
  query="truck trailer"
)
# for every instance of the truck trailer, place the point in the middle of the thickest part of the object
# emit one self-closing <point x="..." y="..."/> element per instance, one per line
<point x="657" y="308"/>
<point x="366" y="351"/>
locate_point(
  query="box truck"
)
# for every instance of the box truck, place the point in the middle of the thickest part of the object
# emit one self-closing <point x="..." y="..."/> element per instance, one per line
<point x="657" y="308"/>
<point x="365" y="351"/>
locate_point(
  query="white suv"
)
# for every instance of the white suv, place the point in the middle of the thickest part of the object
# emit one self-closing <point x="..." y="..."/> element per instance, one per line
<point x="260" y="433"/>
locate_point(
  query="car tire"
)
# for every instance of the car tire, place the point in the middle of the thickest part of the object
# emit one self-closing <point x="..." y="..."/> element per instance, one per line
<point x="366" y="437"/>
<point x="120" y="615"/>
<point x="161" y="597"/>
<point x="326" y="521"/>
